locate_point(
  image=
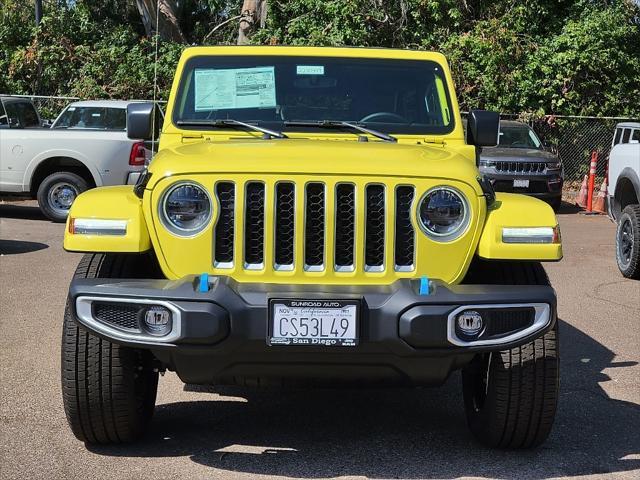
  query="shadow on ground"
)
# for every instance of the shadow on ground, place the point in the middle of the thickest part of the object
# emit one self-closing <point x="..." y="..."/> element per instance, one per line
<point x="26" y="212"/>
<point x="398" y="433"/>
<point x="568" y="208"/>
<point x="13" y="247"/>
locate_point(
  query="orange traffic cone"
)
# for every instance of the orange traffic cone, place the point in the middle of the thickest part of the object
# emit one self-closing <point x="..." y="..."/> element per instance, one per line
<point x="581" y="201"/>
<point x="599" y="204"/>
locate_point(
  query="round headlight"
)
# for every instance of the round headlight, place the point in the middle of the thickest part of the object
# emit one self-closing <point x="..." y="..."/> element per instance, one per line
<point x="186" y="209"/>
<point x="443" y="213"/>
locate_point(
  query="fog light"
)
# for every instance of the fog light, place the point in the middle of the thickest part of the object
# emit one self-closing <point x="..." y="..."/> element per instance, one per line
<point x="157" y="320"/>
<point x="469" y="323"/>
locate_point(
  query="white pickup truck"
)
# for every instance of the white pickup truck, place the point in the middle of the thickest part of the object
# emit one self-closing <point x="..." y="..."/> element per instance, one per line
<point x="624" y="196"/>
<point x="87" y="146"/>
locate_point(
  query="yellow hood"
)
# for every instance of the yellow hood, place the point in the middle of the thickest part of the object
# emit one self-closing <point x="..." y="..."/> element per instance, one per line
<point x="309" y="157"/>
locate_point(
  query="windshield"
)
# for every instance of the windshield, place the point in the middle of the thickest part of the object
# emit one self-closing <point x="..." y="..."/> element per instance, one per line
<point x="95" y="118"/>
<point x="393" y="96"/>
<point x="518" y="137"/>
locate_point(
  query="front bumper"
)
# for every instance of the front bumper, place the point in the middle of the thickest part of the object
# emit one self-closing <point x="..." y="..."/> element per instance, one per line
<point x="219" y="336"/>
<point x="544" y="186"/>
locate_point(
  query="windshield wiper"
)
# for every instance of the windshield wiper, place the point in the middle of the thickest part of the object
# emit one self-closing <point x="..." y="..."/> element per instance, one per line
<point x="341" y="124"/>
<point x="228" y="122"/>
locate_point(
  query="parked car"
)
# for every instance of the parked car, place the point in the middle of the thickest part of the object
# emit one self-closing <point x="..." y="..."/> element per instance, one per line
<point x="274" y="243"/>
<point x="87" y="146"/>
<point x="520" y="164"/>
<point x="624" y="196"/>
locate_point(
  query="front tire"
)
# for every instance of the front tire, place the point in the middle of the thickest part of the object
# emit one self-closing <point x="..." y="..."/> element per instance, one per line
<point x="511" y="395"/>
<point x="108" y="391"/>
<point x="57" y="192"/>
<point x="628" y="242"/>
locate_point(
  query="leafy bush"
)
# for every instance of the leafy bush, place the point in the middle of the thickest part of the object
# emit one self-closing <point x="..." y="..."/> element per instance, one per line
<point x="571" y="57"/>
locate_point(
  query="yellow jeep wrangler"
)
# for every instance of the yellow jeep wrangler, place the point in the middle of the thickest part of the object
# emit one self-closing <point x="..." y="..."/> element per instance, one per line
<point x="313" y="216"/>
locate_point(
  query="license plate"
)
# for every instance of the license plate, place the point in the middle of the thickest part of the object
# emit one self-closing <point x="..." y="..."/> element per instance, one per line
<point x="313" y="322"/>
<point x="521" y="183"/>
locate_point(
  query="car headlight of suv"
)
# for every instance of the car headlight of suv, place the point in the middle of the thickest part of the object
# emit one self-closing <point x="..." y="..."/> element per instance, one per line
<point x="443" y="213"/>
<point x="185" y="209"/>
<point x="487" y="163"/>
<point x="554" y="165"/>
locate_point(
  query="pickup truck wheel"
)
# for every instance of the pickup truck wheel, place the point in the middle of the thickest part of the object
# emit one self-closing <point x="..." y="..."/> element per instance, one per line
<point x="108" y="391"/>
<point x="511" y="395"/>
<point x="628" y="242"/>
<point x="57" y="193"/>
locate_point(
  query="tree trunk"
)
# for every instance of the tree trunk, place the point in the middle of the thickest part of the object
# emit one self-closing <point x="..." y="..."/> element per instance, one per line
<point x="254" y="12"/>
<point x="168" y="25"/>
<point x="38" y="12"/>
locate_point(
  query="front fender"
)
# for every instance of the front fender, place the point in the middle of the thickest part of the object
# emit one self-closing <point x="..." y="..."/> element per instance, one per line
<point x="514" y="210"/>
<point x="108" y="203"/>
<point x="54" y="153"/>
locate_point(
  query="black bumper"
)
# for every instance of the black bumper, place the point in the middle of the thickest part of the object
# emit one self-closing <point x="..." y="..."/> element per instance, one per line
<point x="545" y="187"/>
<point x="405" y="337"/>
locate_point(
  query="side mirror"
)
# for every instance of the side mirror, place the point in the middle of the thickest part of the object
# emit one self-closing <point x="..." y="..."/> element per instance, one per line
<point x="483" y="128"/>
<point x="140" y="121"/>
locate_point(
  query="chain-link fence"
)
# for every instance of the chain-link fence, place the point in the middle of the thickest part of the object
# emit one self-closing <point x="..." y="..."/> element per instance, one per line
<point x="574" y="139"/>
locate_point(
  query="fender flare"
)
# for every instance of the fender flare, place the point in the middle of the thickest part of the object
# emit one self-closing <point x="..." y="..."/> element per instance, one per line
<point x="631" y="175"/>
<point x="58" y="152"/>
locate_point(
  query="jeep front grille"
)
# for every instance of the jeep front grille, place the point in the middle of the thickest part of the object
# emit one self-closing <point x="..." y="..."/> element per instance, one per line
<point x="520" y="167"/>
<point x="315" y="226"/>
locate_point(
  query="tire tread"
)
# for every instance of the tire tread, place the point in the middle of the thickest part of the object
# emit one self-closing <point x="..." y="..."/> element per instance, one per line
<point x="98" y="376"/>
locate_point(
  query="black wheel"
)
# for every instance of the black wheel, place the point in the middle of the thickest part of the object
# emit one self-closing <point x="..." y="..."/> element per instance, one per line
<point x="108" y="391"/>
<point x="556" y="203"/>
<point x="57" y="193"/>
<point x="628" y="242"/>
<point x="511" y="396"/>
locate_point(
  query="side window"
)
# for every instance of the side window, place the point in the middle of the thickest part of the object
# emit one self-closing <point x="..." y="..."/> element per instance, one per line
<point x="115" y="119"/>
<point x="616" y="139"/>
<point x="635" y="136"/>
<point x="625" y="135"/>
<point x="21" y="114"/>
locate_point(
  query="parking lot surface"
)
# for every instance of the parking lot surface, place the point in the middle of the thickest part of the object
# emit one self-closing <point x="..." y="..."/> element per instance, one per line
<point x="212" y="433"/>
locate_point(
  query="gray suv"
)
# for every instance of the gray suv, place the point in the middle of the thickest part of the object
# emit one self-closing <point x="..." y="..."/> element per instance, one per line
<point x="520" y="164"/>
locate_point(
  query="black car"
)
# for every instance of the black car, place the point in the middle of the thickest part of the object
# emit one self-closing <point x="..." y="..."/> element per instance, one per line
<point x="520" y="164"/>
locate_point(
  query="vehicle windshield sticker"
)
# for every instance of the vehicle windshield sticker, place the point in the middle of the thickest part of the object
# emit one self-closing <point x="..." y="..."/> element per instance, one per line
<point x="234" y="88"/>
<point x="310" y="69"/>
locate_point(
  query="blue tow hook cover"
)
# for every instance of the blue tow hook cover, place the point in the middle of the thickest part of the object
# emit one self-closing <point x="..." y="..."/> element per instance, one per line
<point x="424" y="285"/>
<point x="203" y="286"/>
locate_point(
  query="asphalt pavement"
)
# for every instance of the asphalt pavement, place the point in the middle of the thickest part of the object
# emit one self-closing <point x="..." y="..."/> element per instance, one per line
<point x="399" y="433"/>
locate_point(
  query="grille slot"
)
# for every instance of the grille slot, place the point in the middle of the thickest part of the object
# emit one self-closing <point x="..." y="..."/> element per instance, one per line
<point x="345" y="222"/>
<point x="521" y="167"/>
<point x="224" y="231"/>
<point x="254" y="226"/>
<point x="374" y="228"/>
<point x="314" y="227"/>
<point x="405" y="235"/>
<point x="285" y="225"/>
<point x="125" y="317"/>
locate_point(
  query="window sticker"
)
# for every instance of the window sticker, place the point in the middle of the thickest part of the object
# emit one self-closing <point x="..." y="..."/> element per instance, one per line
<point x="310" y="69"/>
<point x="234" y="88"/>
